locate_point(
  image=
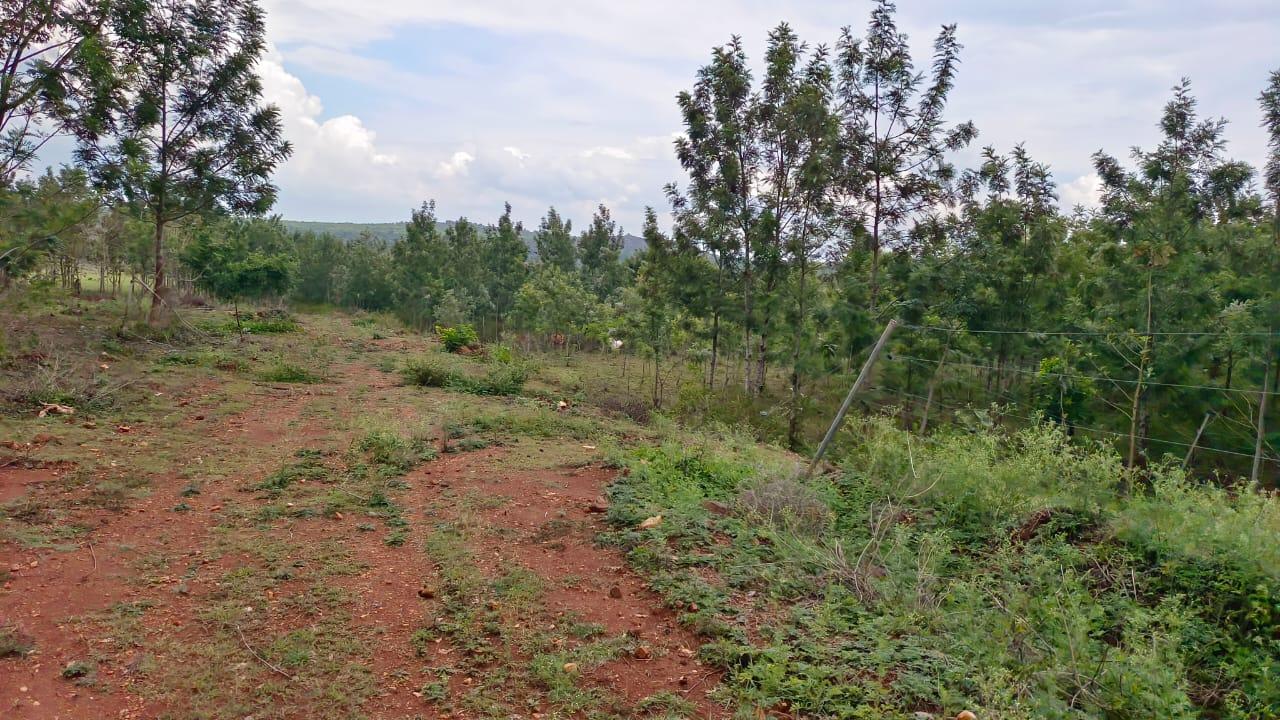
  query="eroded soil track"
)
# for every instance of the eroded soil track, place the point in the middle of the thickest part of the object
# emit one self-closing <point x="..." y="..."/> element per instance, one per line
<point x="467" y="585"/>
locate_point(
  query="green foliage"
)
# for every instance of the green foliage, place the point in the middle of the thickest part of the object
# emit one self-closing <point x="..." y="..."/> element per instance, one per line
<point x="427" y="371"/>
<point x="188" y="132"/>
<point x="458" y="337"/>
<point x="286" y="372"/>
<point x="233" y="262"/>
<point x="1014" y="576"/>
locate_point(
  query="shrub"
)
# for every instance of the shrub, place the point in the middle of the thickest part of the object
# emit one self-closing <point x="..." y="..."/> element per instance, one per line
<point x="427" y="372"/>
<point x="499" y="380"/>
<point x="1013" y="575"/>
<point x="457" y="337"/>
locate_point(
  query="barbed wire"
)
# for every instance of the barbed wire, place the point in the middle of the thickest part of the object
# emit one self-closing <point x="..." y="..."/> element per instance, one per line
<point x="1102" y="378"/>
<point x="1093" y="333"/>
<point x="1041" y="420"/>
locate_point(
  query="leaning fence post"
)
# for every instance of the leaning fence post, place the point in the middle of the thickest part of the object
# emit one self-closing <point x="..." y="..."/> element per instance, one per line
<point x="848" y="399"/>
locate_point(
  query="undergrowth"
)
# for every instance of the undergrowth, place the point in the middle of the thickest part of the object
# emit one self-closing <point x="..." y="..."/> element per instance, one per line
<point x="1016" y="577"/>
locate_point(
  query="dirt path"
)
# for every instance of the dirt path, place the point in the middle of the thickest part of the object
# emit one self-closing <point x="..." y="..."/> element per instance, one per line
<point x="390" y="626"/>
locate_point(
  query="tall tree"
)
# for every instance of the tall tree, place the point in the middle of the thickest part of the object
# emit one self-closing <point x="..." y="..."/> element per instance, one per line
<point x="721" y="153"/>
<point x="894" y="134"/>
<point x="55" y="69"/>
<point x="505" y="258"/>
<point x="599" y="254"/>
<point x="190" y="133"/>
<point x="1157" y="220"/>
<point x="418" y="258"/>
<point x="554" y="242"/>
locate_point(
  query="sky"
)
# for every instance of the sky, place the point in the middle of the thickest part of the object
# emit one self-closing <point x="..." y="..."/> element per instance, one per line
<point x="571" y="103"/>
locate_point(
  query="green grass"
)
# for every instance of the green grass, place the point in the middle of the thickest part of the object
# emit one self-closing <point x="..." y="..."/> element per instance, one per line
<point x="283" y="371"/>
<point x="1018" y="577"/>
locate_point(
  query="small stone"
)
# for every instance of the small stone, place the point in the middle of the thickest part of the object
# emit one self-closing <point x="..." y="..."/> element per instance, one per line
<point x="966" y="715"/>
<point x="651" y="522"/>
<point x="426" y="593"/>
<point x="615" y="592"/>
<point x="642" y="653"/>
<point x="569" y="667"/>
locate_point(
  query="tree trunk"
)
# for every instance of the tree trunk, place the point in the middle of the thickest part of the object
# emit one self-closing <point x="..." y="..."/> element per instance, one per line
<point x="161" y="312"/>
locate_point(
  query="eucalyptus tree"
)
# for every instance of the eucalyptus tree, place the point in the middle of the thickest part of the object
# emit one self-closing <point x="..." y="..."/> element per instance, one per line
<point x="505" y="261"/>
<point x="894" y="135"/>
<point x="189" y="133"/>
<point x="599" y="254"/>
<point x="554" y="242"/>
<point x="418" y="261"/>
<point x="1158" y="219"/>
<point x="721" y="151"/>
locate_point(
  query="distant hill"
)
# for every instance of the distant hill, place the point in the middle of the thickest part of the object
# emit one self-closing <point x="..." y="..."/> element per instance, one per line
<point x="392" y="231"/>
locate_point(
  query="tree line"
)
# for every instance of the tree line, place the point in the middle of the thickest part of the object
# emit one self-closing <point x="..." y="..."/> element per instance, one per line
<point x="820" y="198"/>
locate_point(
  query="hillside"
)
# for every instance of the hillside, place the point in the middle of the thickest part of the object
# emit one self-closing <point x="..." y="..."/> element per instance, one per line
<point x="391" y="231"/>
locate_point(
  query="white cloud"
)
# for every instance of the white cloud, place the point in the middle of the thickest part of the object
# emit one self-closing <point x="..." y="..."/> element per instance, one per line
<point x="455" y="166"/>
<point x="605" y="151"/>
<point x="517" y="153"/>
<point x="336" y="162"/>
<point x="1085" y="190"/>
<point x="571" y="102"/>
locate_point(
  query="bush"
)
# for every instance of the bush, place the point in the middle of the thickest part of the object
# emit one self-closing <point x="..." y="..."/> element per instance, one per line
<point x="457" y="337"/>
<point x="1016" y="576"/>
<point x="427" y="372"/>
<point x="499" y="380"/>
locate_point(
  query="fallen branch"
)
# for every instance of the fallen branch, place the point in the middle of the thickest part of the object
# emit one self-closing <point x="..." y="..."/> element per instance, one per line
<point x="261" y="659"/>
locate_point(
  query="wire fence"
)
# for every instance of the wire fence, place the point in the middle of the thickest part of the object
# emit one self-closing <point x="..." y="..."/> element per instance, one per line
<point x="1233" y="396"/>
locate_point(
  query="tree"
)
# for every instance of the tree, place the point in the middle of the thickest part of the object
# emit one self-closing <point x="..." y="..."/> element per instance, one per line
<point x="599" y="254"/>
<point x="419" y="263"/>
<point x="554" y="242"/>
<point x="55" y="69"/>
<point x="237" y="260"/>
<point x="895" y="139"/>
<point x="189" y="134"/>
<point x="320" y="257"/>
<point x="505" y="257"/>
<point x="552" y="301"/>
<point x="648" y="303"/>
<point x="42" y="218"/>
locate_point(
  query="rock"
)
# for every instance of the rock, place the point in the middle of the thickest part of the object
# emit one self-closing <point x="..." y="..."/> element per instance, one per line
<point x="642" y="652"/>
<point x="651" y="522"/>
<point x="615" y="592"/>
<point x="426" y="593"/>
<point x="600" y="505"/>
<point x="966" y="715"/>
<point x="571" y="668"/>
